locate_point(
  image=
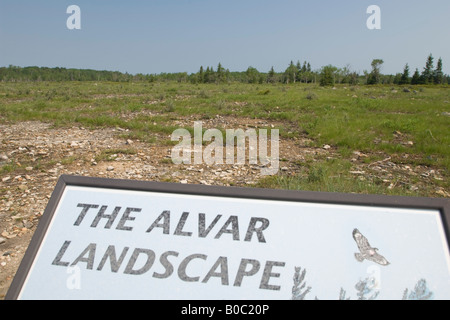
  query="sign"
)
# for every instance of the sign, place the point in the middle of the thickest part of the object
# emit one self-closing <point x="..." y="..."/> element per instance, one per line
<point x="120" y="239"/>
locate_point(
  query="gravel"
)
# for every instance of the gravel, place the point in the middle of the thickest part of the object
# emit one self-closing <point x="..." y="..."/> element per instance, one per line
<point x="41" y="153"/>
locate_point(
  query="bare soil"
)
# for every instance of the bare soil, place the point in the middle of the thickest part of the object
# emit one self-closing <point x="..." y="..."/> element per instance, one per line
<point x="38" y="153"/>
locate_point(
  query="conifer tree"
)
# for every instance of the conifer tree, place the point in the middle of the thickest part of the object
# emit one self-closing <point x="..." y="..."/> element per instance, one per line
<point x="427" y="74"/>
<point x="298" y="71"/>
<point x="416" y="77"/>
<point x="271" y="78"/>
<point x="208" y="75"/>
<point x="220" y="74"/>
<point x="438" y="73"/>
<point x="304" y="68"/>
<point x="201" y="75"/>
<point x="405" y="76"/>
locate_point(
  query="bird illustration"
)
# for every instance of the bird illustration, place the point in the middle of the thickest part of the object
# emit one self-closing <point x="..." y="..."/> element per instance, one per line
<point x="366" y="250"/>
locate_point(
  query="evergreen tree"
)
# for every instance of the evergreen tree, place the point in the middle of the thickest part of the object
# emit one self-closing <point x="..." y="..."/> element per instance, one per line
<point x="416" y="77"/>
<point x="304" y="72"/>
<point x="308" y="74"/>
<point x="271" y="77"/>
<point x="220" y="74"/>
<point x="405" y="76"/>
<point x="438" y="73"/>
<point x="298" y="71"/>
<point x="209" y="75"/>
<point x="427" y="74"/>
<point x="304" y="68"/>
<point x="201" y="75"/>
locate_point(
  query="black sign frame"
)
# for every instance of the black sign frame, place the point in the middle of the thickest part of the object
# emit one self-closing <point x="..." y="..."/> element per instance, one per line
<point x="440" y="204"/>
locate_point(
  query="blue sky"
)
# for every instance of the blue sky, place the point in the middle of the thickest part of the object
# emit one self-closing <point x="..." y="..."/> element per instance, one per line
<point x="181" y="35"/>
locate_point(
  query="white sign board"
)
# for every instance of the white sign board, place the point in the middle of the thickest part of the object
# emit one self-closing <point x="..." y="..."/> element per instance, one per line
<point x="110" y="239"/>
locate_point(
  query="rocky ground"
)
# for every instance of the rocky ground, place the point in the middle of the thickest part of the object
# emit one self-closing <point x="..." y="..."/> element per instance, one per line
<point x="37" y="154"/>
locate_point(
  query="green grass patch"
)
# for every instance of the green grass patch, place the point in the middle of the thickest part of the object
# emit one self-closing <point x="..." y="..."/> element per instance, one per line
<point x="331" y="176"/>
<point x="371" y="119"/>
<point x="112" y="154"/>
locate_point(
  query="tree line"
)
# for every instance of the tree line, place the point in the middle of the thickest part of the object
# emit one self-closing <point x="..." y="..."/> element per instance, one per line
<point x="16" y="74"/>
<point x="429" y="75"/>
<point x="295" y="73"/>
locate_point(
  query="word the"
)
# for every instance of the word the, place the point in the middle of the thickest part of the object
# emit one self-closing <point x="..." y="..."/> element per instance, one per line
<point x="110" y="217"/>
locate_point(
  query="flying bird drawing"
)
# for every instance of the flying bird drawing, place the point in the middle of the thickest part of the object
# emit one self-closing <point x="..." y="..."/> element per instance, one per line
<point x="366" y="250"/>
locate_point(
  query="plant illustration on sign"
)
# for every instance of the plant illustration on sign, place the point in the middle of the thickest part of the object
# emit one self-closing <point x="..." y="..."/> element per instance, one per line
<point x="298" y="290"/>
<point x="366" y="289"/>
<point x="421" y="292"/>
